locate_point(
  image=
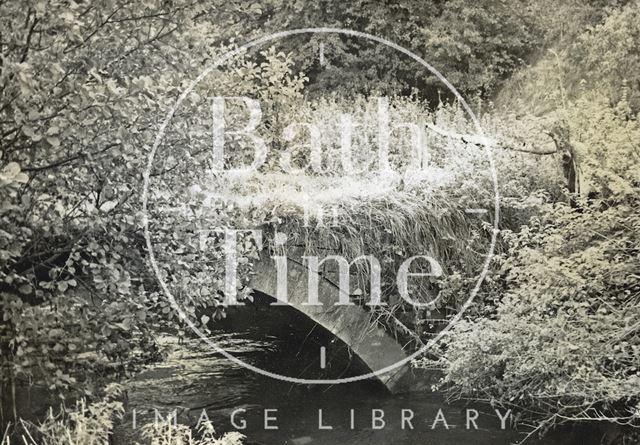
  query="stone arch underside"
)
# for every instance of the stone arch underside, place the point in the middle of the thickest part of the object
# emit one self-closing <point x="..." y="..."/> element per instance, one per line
<point x="351" y="324"/>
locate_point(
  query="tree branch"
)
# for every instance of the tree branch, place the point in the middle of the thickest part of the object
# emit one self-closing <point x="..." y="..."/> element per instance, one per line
<point x="65" y="161"/>
<point x="480" y="141"/>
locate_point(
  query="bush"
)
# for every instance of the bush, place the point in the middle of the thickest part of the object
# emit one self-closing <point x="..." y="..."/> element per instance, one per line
<point x="77" y="297"/>
<point x="564" y="343"/>
<point x="597" y="54"/>
<point x="83" y="424"/>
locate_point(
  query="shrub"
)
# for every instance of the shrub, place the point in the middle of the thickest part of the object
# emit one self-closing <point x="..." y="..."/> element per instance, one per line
<point x="82" y="424"/>
<point x="564" y="343"/>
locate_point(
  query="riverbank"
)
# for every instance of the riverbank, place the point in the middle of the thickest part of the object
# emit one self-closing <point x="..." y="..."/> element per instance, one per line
<point x="198" y="384"/>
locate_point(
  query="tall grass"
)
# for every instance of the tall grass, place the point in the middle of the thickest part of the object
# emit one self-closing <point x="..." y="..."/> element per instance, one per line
<point x="94" y="423"/>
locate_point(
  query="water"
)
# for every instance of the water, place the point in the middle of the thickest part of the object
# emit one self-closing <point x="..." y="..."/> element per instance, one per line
<point x="194" y="379"/>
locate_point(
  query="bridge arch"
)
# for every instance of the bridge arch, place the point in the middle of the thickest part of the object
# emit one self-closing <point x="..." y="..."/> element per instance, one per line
<point x="351" y="324"/>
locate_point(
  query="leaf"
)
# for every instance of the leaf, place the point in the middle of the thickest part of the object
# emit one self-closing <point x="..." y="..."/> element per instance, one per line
<point x="11" y="169"/>
<point x="127" y="323"/>
<point x="53" y="141"/>
<point x="109" y="205"/>
<point x="21" y="178"/>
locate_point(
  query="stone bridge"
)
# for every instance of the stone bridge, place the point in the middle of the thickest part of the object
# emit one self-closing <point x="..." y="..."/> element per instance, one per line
<point x="351" y="324"/>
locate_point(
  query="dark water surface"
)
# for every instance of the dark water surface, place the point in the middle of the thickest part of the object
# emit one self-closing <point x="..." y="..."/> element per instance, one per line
<point x="194" y="378"/>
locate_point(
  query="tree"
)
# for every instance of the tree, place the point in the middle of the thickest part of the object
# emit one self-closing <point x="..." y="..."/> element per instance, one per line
<point x="83" y="87"/>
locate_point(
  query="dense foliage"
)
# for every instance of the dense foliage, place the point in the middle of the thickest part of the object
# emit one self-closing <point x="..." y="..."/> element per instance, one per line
<point x="476" y="45"/>
<point x="84" y="86"/>
<point x="563" y="340"/>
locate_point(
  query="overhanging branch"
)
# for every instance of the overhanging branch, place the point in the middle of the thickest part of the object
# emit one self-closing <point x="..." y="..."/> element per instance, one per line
<point x="482" y="141"/>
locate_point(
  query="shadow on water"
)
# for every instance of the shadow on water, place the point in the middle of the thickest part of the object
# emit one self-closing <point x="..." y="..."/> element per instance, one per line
<point x="196" y="381"/>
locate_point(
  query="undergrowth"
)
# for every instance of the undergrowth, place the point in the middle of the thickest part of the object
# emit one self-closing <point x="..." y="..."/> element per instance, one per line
<point x="87" y="423"/>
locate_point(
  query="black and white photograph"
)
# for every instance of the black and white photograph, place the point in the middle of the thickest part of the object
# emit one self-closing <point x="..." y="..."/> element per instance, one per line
<point x="363" y="222"/>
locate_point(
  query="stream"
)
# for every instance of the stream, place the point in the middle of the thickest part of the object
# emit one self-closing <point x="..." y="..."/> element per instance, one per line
<point x="195" y="379"/>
